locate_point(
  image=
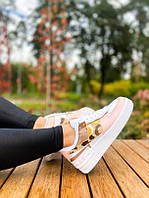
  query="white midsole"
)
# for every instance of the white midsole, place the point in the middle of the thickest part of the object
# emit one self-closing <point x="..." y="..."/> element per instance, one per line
<point x="92" y="155"/>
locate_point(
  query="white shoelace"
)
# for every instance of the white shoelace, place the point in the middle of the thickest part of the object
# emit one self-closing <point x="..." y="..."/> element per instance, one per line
<point x="94" y="115"/>
<point x="58" y="116"/>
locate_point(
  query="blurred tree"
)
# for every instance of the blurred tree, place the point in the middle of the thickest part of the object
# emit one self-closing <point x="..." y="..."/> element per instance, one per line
<point x="104" y="40"/>
<point x="28" y="78"/>
<point x="48" y="43"/>
<point x="140" y="10"/>
<point x="4" y="83"/>
<point x="137" y="72"/>
<point x="5" y="44"/>
<point x="10" y="34"/>
<point x="19" y="36"/>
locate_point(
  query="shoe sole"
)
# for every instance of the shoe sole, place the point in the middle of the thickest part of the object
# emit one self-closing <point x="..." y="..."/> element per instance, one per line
<point x="90" y="157"/>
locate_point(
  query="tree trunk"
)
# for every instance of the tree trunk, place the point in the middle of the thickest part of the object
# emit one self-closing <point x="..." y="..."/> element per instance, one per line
<point x="8" y="58"/>
<point x="48" y="87"/>
<point x="19" y="84"/>
<point x="103" y="72"/>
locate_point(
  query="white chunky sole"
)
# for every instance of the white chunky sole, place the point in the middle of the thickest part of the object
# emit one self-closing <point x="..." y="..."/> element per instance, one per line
<point x="90" y="157"/>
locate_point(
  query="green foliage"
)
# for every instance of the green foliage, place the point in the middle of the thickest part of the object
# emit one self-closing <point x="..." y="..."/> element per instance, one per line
<point x="37" y="107"/>
<point x="95" y="86"/>
<point x="134" y="128"/>
<point x="118" y="88"/>
<point x="26" y="84"/>
<point x="70" y="96"/>
<point x="135" y="87"/>
<point x="125" y="88"/>
<point x="138" y="124"/>
<point x="66" y="106"/>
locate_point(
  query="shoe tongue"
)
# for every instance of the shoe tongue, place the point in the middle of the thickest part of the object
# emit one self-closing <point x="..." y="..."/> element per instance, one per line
<point x="74" y="124"/>
<point x="59" y="120"/>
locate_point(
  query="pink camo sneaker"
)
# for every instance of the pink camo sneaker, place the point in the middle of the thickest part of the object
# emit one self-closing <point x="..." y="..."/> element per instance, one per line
<point x="56" y="119"/>
<point x="95" y="132"/>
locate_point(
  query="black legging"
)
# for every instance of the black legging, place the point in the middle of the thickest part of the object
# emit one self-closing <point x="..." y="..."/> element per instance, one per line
<point x="19" y="143"/>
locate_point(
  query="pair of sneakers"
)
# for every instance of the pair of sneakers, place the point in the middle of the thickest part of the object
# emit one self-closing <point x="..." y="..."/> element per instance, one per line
<point x="94" y="131"/>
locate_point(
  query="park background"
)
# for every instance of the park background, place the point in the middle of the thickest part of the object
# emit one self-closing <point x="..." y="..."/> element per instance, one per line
<point x="58" y="55"/>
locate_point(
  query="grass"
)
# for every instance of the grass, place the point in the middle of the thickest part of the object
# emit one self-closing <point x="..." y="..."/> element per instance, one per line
<point x="66" y="102"/>
<point x="36" y="104"/>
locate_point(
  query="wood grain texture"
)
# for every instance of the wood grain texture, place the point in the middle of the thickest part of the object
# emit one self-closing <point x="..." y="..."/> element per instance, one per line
<point x="74" y="183"/>
<point x="4" y="175"/>
<point x="102" y="182"/>
<point x="47" y="181"/>
<point x="122" y="173"/>
<point x="134" y="160"/>
<point x="129" y="182"/>
<point x="138" y="148"/>
<point x="144" y="142"/>
<point x="19" y="182"/>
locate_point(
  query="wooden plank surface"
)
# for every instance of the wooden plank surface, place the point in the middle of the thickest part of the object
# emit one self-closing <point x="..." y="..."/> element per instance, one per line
<point x="4" y="175"/>
<point x="102" y="182"/>
<point x="138" y="148"/>
<point x="129" y="182"/>
<point x="74" y="183"/>
<point x="134" y="160"/>
<point x="122" y="172"/>
<point x="18" y="183"/>
<point x="144" y="142"/>
<point x="47" y="181"/>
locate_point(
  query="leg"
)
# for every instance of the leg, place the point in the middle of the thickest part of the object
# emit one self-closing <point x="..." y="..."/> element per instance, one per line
<point x="13" y="117"/>
<point x="19" y="146"/>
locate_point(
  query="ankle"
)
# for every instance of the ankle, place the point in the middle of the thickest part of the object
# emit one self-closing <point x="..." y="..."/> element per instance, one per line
<point x="40" y="123"/>
<point x="68" y="135"/>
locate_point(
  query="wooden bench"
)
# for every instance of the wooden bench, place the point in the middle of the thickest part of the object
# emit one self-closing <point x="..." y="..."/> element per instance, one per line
<point x="123" y="171"/>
